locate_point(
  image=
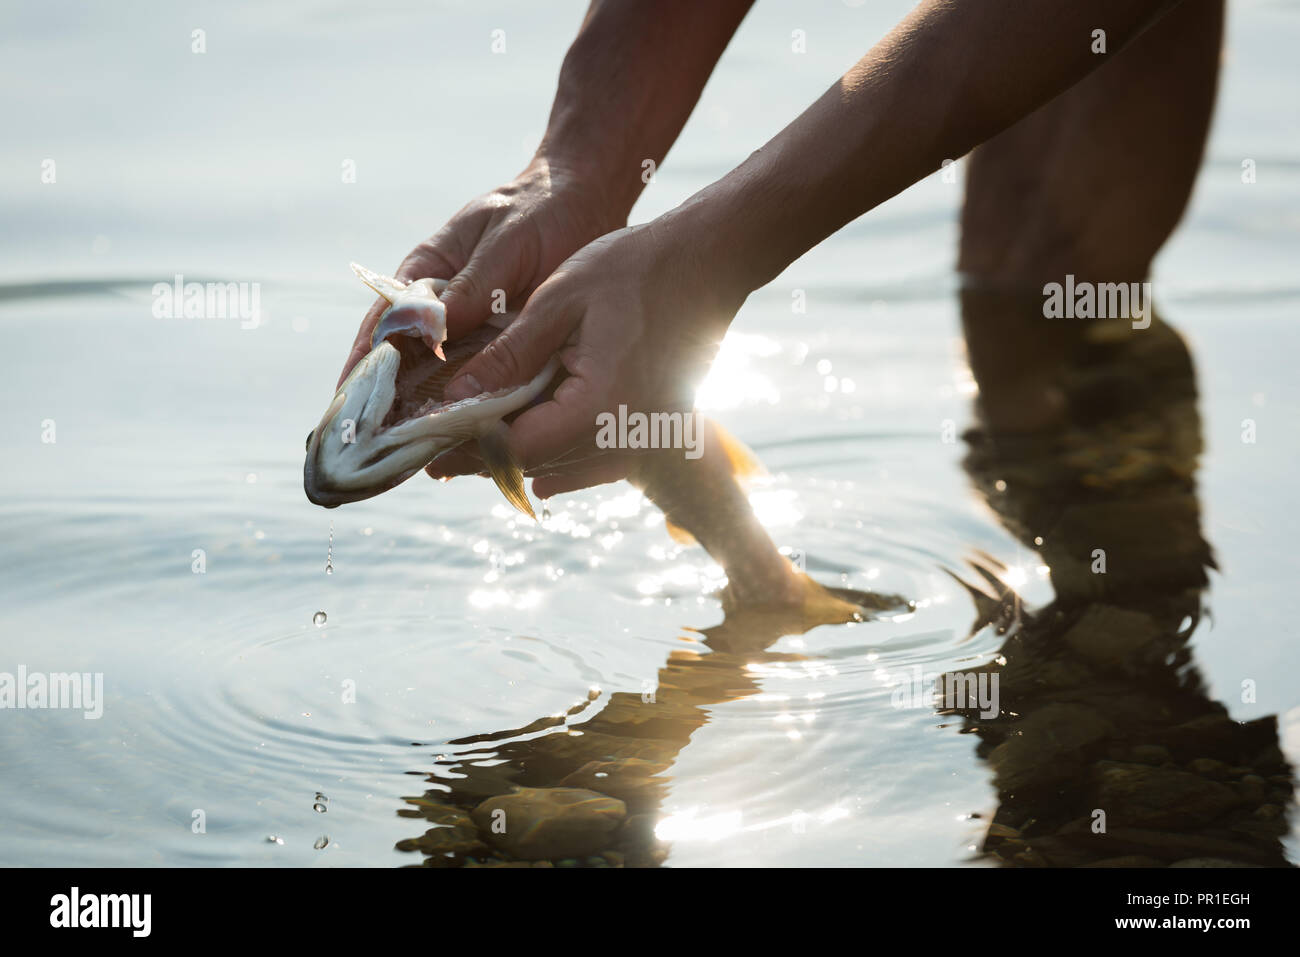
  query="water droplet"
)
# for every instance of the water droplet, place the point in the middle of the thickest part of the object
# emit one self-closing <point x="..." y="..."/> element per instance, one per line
<point x="318" y="618"/>
<point x="272" y="839"/>
<point x="329" y="553"/>
<point x="321" y="801"/>
<point x="329" y="569"/>
<point x="322" y="842"/>
<point x="546" y="512"/>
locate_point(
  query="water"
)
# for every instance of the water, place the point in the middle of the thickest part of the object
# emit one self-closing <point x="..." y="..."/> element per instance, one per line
<point x="163" y="539"/>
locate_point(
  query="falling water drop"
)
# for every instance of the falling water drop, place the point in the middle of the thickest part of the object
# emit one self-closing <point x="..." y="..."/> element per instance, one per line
<point x="318" y="618"/>
<point x="322" y="842"/>
<point x="546" y="511"/>
<point x="321" y="801"/>
<point x="329" y="555"/>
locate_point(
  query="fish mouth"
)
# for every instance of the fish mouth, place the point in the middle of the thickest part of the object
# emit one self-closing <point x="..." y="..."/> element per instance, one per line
<point x="376" y="433"/>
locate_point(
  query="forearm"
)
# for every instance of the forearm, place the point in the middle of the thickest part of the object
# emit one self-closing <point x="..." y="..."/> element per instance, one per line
<point x="628" y="85"/>
<point x="948" y="77"/>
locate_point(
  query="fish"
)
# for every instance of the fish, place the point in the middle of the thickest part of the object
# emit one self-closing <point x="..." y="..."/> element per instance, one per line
<point x="388" y="419"/>
<point x="705" y="501"/>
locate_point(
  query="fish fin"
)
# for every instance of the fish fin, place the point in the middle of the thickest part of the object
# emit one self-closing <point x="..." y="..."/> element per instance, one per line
<point x="494" y="444"/>
<point x="821" y="606"/>
<point x="678" y="534"/>
<point x="386" y="286"/>
<point x="744" y="463"/>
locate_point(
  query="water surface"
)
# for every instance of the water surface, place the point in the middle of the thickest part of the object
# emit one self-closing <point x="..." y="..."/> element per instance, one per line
<point x="448" y="617"/>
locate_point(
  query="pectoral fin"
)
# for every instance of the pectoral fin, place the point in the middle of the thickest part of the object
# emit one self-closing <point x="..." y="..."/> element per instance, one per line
<point x="494" y="446"/>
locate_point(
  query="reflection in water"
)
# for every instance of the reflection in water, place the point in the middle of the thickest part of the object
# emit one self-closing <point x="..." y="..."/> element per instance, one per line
<point x="1108" y="750"/>
<point x="591" y="792"/>
<point x="620" y="756"/>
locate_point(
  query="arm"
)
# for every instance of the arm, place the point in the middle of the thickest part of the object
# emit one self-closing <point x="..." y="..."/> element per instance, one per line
<point x="627" y="85"/>
<point x="948" y="77"/>
<point x="637" y="315"/>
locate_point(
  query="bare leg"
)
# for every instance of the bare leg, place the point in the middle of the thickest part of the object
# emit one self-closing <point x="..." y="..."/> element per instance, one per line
<point x="1091" y="184"/>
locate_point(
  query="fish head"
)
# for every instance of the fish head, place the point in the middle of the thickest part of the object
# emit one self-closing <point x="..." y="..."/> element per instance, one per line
<point x="368" y="440"/>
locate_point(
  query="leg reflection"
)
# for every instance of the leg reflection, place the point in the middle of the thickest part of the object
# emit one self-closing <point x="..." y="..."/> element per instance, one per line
<point x="1108" y="751"/>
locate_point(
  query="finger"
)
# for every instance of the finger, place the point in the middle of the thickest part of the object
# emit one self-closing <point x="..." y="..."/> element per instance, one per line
<point x="487" y="282"/>
<point x="521" y="350"/>
<point x="608" y="468"/>
<point x="459" y="461"/>
<point x="558" y="430"/>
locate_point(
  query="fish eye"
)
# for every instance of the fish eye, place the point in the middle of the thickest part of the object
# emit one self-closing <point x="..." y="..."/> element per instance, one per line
<point x="309" y="435"/>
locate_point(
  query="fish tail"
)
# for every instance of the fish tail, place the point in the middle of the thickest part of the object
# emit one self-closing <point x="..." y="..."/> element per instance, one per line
<point x="744" y="467"/>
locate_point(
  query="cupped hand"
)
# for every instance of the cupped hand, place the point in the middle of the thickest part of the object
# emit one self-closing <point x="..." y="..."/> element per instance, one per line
<point x="635" y="319"/>
<point x="509" y="239"/>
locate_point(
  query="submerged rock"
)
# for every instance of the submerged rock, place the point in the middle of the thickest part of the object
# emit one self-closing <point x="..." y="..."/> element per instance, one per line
<point x="1110" y="637"/>
<point x="1150" y="754"/>
<point x="631" y="780"/>
<point x="1252" y="788"/>
<point x="1209" y="768"/>
<point x="554" y="823"/>
<point x="1047" y="745"/>
<point x="1138" y="795"/>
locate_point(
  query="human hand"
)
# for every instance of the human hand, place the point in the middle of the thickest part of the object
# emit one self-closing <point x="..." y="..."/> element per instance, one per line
<point x="509" y="239"/>
<point x="635" y="319"/>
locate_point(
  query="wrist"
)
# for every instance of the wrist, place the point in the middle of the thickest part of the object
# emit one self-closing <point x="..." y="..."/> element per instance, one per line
<point x="607" y="184"/>
<point x="718" y="244"/>
<point x="570" y="193"/>
<point x="687" y="258"/>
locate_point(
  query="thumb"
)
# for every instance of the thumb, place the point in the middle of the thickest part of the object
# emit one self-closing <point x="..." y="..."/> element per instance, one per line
<point x="520" y="351"/>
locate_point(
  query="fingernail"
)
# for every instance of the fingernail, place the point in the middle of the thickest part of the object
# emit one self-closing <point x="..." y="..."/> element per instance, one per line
<point x="464" y="387"/>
